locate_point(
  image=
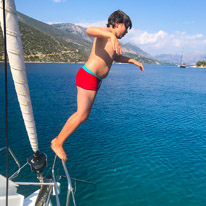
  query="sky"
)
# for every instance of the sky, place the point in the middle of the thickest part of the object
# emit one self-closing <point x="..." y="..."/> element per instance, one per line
<point x="159" y="26"/>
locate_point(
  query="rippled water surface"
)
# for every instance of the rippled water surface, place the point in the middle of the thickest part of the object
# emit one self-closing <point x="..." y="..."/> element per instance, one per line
<point x="143" y="144"/>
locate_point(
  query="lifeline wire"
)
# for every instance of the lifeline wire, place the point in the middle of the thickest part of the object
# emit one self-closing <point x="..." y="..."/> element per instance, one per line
<point x="6" y="106"/>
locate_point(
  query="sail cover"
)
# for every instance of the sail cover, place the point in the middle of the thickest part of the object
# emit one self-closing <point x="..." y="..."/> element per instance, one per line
<point x="17" y="65"/>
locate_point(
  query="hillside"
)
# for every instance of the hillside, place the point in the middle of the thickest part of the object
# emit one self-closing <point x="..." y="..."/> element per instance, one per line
<point x="169" y="58"/>
<point x="176" y="58"/>
<point x="70" y="38"/>
<point x="40" y="47"/>
<point x="62" y="43"/>
<point x="127" y="49"/>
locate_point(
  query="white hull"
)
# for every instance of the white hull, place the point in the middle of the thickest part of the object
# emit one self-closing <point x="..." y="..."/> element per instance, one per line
<point x="31" y="199"/>
<point x="15" y="199"/>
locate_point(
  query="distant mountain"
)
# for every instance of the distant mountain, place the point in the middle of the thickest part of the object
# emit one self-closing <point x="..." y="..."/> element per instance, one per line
<point x="71" y="39"/>
<point x="169" y="58"/>
<point x="63" y="42"/>
<point x="176" y="58"/>
<point x="193" y="59"/>
<point x="138" y="54"/>
<point x="76" y="36"/>
<point x="41" y="46"/>
<point x="75" y="30"/>
<point x="127" y="49"/>
<point x="80" y="32"/>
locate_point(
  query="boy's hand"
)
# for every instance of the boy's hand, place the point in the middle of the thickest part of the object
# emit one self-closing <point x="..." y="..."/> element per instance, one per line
<point x="140" y="66"/>
<point x="137" y="64"/>
<point x="116" y="44"/>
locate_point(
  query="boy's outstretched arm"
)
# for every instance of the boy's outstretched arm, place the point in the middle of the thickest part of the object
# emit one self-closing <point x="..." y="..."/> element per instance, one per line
<point x="124" y="59"/>
<point x="99" y="32"/>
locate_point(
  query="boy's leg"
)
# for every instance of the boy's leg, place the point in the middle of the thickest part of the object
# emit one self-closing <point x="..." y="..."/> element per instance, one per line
<point x="85" y="100"/>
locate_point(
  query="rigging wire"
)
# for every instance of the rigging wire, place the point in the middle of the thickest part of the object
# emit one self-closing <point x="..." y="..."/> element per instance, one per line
<point x="6" y="104"/>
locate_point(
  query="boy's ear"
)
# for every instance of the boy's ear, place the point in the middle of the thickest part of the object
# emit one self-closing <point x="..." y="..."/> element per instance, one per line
<point x="116" y="25"/>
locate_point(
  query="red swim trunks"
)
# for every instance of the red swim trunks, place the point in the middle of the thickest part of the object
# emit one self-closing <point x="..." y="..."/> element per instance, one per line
<point x="87" y="80"/>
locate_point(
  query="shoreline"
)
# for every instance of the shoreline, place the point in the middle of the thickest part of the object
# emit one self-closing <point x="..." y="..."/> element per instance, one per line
<point x="203" y="67"/>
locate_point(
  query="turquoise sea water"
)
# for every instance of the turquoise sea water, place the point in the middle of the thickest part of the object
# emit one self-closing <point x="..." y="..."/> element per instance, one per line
<point x="143" y="144"/>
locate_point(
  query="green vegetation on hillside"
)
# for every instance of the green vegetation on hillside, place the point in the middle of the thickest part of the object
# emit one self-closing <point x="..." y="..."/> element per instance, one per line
<point x="70" y="38"/>
<point x="40" y="47"/>
<point x="201" y="64"/>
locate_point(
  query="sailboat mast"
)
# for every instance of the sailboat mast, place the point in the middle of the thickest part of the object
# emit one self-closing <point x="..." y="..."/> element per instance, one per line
<point x="17" y="65"/>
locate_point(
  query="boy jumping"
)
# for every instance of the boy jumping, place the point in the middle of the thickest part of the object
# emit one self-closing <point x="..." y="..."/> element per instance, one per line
<point x="106" y="49"/>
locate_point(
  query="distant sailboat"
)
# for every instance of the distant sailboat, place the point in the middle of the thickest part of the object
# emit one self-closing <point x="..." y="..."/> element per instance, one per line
<point x="182" y="65"/>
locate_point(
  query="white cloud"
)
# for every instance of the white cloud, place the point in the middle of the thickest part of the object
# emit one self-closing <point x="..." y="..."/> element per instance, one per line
<point x="196" y="36"/>
<point x="148" y="38"/>
<point x="161" y="41"/>
<point x="164" y="42"/>
<point x="177" y="42"/>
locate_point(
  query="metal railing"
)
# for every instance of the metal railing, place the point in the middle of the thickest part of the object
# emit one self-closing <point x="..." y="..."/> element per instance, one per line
<point x="70" y="189"/>
<point x="70" y="193"/>
<point x="16" y="161"/>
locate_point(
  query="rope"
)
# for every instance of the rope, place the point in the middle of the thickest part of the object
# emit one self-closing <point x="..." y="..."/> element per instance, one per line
<point x="6" y="106"/>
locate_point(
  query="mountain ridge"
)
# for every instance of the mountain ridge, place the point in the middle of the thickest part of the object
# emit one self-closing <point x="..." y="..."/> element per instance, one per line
<point x="127" y="49"/>
<point x="63" y="42"/>
<point x="176" y="58"/>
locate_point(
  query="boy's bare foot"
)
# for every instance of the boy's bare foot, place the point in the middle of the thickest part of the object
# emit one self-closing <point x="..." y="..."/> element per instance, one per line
<point x="58" y="149"/>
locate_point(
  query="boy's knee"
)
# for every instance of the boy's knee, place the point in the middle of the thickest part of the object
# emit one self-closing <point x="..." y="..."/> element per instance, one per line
<point x="83" y="117"/>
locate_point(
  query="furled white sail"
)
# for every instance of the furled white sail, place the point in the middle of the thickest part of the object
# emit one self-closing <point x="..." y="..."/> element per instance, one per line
<point x="17" y="65"/>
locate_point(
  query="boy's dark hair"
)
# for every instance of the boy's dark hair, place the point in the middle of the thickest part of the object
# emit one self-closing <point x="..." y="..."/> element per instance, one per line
<point x="119" y="17"/>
